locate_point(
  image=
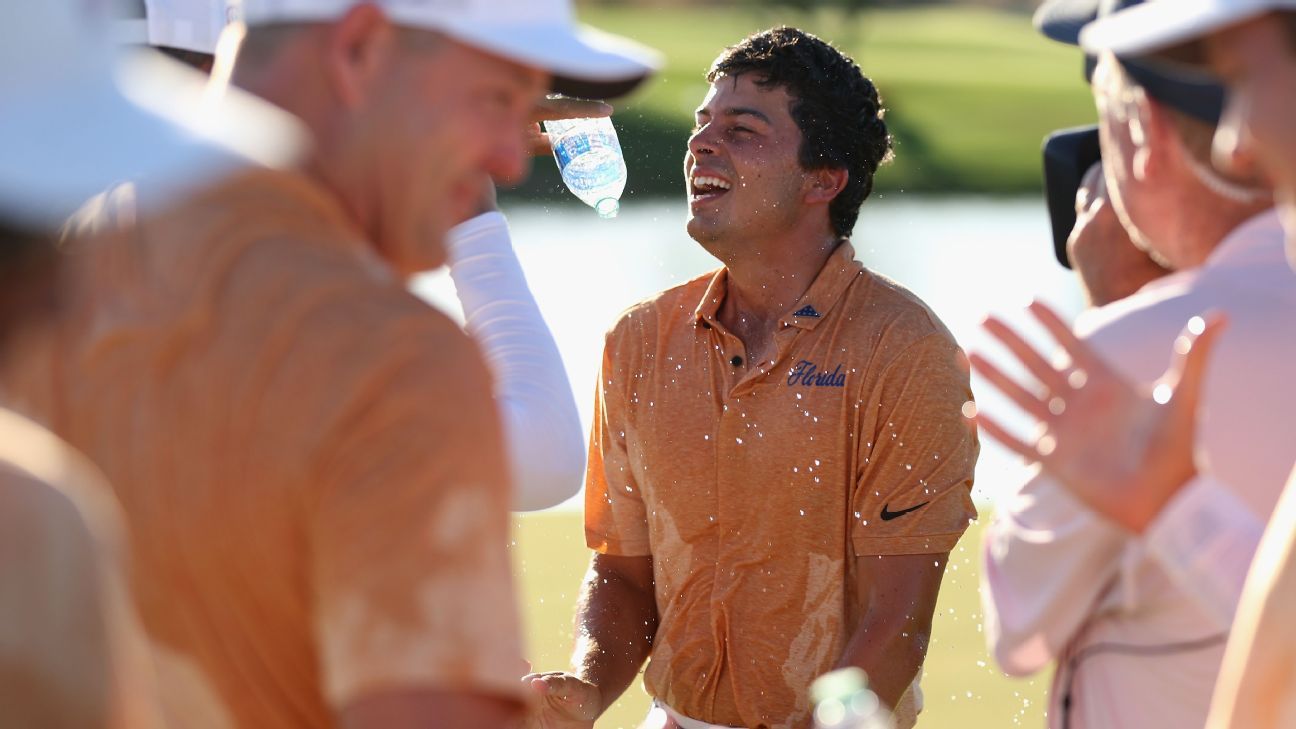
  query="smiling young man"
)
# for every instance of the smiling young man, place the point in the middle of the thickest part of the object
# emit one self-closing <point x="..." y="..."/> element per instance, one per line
<point x="778" y="463"/>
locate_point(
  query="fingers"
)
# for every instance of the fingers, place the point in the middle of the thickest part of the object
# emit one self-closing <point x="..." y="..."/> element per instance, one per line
<point x="1040" y="368"/>
<point x="991" y="427"/>
<point x="565" y="108"/>
<point x="1193" y="349"/>
<point x="556" y="685"/>
<point x="540" y="144"/>
<point x="1025" y="399"/>
<point x="1081" y="354"/>
<point x="1092" y="188"/>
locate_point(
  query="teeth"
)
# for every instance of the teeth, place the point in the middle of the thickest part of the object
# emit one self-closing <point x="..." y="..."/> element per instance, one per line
<point x="703" y="181"/>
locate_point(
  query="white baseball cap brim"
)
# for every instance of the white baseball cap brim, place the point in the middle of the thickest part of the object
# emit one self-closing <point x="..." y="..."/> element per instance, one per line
<point x="584" y="62"/>
<point x="1160" y="24"/>
<point x="154" y="123"/>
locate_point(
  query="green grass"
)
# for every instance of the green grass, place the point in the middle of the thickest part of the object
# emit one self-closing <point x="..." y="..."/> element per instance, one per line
<point x="971" y="92"/>
<point x="962" y="687"/>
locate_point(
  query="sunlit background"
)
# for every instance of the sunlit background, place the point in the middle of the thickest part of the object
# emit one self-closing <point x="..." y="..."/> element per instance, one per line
<point x="958" y="218"/>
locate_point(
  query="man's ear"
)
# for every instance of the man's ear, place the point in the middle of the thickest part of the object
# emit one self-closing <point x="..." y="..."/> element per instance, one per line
<point x="357" y="50"/>
<point x="1157" y="140"/>
<point x="826" y="184"/>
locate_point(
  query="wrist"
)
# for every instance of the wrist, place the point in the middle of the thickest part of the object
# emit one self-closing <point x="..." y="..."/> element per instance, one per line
<point x="1143" y="511"/>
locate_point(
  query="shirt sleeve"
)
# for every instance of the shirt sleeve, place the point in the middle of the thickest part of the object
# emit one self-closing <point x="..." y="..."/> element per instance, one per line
<point x="1047" y="560"/>
<point x="541" y="426"/>
<point x="1257" y="683"/>
<point x="1205" y="538"/>
<point x="913" y="490"/>
<point x="616" y="519"/>
<point x="409" y="535"/>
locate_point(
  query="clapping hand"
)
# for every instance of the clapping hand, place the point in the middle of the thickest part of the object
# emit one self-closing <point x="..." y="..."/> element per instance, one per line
<point x="1121" y="448"/>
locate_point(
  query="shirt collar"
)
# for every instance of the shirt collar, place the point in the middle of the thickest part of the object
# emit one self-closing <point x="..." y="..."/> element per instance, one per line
<point x="837" y="273"/>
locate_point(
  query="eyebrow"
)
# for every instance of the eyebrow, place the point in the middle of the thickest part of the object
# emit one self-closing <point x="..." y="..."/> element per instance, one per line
<point x="737" y="111"/>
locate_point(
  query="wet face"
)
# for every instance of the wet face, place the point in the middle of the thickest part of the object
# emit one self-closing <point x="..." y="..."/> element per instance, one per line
<point x="1257" y="61"/>
<point x="742" y="172"/>
<point x="446" y="116"/>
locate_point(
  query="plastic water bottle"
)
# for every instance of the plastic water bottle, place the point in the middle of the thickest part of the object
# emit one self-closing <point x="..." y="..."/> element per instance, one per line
<point x="590" y="160"/>
<point x="843" y="701"/>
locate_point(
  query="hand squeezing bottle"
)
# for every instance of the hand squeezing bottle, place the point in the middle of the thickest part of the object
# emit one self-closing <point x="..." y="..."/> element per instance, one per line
<point x="590" y="160"/>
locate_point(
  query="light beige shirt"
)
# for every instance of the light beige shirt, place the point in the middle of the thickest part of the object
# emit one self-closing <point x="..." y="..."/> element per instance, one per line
<point x="72" y="655"/>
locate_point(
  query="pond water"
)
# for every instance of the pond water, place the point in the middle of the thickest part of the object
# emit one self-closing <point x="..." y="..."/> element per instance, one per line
<point x="964" y="256"/>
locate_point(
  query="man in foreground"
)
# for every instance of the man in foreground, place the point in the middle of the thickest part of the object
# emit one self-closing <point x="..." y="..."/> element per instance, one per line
<point x="541" y="425"/>
<point x="1127" y="612"/>
<point x="1148" y="461"/>
<point x="72" y="653"/>
<point x="308" y="456"/>
<point x="778" y="467"/>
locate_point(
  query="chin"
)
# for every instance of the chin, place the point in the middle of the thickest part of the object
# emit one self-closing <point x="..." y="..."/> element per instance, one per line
<point x="703" y="231"/>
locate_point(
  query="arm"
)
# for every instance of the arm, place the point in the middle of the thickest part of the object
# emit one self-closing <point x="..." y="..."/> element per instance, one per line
<point x="1126" y="451"/>
<point x="616" y="617"/>
<point x="414" y="605"/>
<point x="616" y="620"/>
<point x="1205" y="538"/>
<point x="1258" y="676"/>
<point x="913" y="503"/>
<point x="1046" y="561"/>
<point x="541" y="426"/>
<point x="898" y="594"/>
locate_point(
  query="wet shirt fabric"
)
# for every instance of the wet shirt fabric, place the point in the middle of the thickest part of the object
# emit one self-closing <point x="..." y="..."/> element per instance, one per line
<point x="71" y="650"/>
<point x="755" y="488"/>
<point x="307" y="455"/>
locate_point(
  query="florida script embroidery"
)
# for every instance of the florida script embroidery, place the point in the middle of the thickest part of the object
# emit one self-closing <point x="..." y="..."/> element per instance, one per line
<point x="807" y="374"/>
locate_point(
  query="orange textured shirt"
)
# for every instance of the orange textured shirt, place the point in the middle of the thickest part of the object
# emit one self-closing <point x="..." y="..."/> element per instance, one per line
<point x="71" y="650"/>
<point x="754" y="489"/>
<point x="308" y="456"/>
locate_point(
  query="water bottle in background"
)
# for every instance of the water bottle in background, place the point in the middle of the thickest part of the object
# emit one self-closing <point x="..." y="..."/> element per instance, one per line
<point x="843" y="701"/>
<point x="590" y="160"/>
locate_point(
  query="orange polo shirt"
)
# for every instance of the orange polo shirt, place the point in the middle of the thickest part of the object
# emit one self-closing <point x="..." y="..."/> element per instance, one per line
<point x="754" y="489"/>
<point x="307" y="455"/>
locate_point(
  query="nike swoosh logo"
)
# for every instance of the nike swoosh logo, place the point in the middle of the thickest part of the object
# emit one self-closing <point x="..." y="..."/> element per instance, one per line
<point x="889" y="515"/>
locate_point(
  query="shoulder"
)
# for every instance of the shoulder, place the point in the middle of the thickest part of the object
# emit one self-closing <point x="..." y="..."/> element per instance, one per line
<point x="48" y="490"/>
<point x="894" y="318"/>
<point x="670" y="307"/>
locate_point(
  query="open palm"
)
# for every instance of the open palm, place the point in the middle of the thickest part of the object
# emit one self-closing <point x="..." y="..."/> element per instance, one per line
<point x="1122" y="448"/>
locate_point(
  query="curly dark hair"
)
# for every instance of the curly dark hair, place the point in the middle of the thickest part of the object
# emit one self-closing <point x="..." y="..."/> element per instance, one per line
<point x="835" y="105"/>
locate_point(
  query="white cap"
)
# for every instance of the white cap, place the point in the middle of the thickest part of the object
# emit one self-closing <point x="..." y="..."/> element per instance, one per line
<point x="78" y="118"/>
<point x="191" y="25"/>
<point x="1159" y="24"/>
<point x="540" y="33"/>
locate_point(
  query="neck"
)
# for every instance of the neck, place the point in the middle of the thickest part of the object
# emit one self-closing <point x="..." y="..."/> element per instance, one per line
<point x="1200" y="228"/>
<point x="763" y="287"/>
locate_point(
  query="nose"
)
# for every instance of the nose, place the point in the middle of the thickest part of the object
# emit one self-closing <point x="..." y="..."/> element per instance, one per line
<point x="1233" y="148"/>
<point x="509" y="159"/>
<point x="702" y="142"/>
